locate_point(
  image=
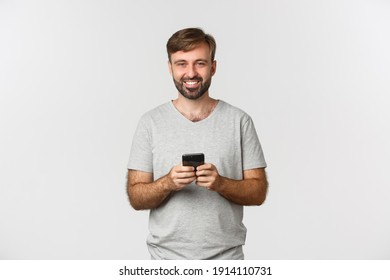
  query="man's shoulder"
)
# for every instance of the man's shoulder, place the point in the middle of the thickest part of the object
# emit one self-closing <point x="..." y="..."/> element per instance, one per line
<point x="157" y="111"/>
<point x="232" y="110"/>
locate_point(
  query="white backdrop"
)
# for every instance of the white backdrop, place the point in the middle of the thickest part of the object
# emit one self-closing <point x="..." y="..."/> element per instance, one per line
<point x="75" y="76"/>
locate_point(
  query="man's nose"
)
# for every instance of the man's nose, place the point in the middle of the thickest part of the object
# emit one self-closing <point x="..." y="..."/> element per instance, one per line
<point x="191" y="71"/>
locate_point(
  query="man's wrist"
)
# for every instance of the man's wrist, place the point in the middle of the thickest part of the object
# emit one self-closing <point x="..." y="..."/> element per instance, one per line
<point x="221" y="184"/>
<point x="161" y="185"/>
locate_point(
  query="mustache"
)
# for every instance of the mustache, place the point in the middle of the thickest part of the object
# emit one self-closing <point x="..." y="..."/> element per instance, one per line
<point x="199" y="79"/>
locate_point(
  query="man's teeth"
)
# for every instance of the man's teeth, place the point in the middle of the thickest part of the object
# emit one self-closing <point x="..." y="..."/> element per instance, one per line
<point x="191" y="83"/>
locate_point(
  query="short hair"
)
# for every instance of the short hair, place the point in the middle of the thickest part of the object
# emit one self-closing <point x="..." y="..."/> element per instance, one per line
<point x="188" y="39"/>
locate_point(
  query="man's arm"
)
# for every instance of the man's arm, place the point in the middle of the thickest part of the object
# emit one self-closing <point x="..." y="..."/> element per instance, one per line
<point x="252" y="190"/>
<point x="144" y="193"/>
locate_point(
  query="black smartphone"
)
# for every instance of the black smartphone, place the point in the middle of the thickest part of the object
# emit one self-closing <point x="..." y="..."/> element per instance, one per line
<point x="193" y="159"/>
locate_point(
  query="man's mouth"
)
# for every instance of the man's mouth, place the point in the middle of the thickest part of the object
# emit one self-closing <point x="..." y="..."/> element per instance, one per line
<point x="191" y="83"/>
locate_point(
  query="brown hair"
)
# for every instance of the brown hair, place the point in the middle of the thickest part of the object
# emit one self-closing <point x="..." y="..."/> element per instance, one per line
<point x="189" y="38"/>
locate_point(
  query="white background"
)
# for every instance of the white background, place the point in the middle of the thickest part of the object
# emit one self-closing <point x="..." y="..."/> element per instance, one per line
<point x="75" y="76"/>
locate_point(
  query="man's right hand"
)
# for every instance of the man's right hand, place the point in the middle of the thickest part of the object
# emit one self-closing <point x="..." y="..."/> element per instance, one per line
<point x="180" y="176"/>
<point x="144" y="193"/>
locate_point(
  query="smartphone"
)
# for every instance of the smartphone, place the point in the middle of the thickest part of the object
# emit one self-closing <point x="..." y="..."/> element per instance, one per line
<point x="193" y="159"/>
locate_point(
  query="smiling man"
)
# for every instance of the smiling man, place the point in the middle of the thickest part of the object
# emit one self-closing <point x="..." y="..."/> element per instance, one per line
<point x="195" y="213"/>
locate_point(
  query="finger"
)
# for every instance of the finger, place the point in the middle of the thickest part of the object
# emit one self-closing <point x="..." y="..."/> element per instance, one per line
<point x="183" y="175"/>
<point x="203" y="179"/>
<point x="185" y="181"/>
<point x="203" y="184"/>
<point x="205" y="172"/>
<point x="203" y="166"/>
<point x="182" y="168"/>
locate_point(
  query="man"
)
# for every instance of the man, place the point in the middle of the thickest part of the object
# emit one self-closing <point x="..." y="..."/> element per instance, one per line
<point x="195" y="214"/>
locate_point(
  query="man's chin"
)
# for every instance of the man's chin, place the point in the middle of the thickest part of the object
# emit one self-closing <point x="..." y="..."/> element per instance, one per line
<point x="192" y="95"/>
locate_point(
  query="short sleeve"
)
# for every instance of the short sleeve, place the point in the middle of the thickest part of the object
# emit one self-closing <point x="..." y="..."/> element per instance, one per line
<point x="252" y="152"/>
<point x="141" y="157"/>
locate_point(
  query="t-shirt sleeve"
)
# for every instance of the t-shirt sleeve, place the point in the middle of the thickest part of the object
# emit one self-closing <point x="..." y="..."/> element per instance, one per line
<point x="141" y="149"/>
<point x="252" y="152"/>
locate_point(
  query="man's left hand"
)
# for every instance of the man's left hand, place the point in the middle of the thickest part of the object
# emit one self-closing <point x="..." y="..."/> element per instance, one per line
<point x="208" y="177"/>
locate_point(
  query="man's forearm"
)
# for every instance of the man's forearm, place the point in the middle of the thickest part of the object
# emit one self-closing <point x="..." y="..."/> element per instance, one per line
<point x="243" y="192"/>
<point x="148" y="195"/>
<point x="144" y="193"/>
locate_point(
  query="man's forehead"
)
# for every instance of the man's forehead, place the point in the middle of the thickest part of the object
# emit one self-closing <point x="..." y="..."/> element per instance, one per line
<point x="201" y="51"/>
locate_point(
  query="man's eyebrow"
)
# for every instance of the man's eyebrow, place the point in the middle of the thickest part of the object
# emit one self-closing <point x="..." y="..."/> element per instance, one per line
<point x="179" y="61"/>
<point x="183" y="60"/>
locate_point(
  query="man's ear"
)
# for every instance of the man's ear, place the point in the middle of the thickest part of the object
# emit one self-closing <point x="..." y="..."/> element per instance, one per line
<point x="170" y="67"/>
<point x="213" y="67"/>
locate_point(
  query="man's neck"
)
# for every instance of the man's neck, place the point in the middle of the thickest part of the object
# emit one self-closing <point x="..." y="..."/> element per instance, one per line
<point x="195" y="110"/>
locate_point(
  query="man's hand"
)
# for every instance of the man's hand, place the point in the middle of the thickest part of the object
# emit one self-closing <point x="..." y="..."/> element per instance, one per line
<point x="144" y="193"/>
<point x="181" y="176"/>
<point x="208" y="177"/>
<point x="251" y="190"/>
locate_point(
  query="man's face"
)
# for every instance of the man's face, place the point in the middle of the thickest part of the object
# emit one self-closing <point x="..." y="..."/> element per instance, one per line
<point x="192" y="71"/>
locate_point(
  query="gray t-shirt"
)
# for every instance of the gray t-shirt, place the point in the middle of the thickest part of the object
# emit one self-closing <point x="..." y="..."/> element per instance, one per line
<point x="196" y="223"/>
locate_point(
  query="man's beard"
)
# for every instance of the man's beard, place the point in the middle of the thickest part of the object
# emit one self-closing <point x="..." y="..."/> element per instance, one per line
<point x="192" y="93"/>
